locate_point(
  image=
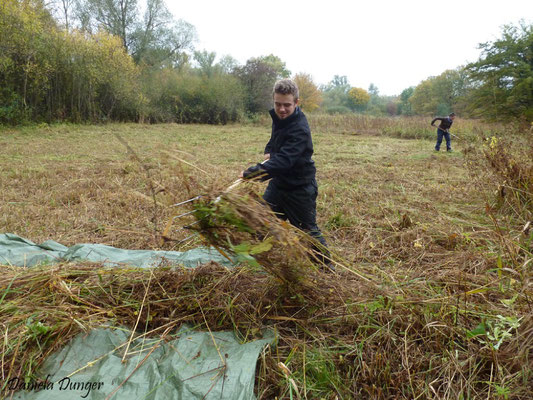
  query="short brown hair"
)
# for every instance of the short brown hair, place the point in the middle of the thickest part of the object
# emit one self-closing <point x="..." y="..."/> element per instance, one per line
<point x="286" y="86"/>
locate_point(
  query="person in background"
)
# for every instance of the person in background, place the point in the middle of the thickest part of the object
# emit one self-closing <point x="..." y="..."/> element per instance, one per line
<point x="443" y="130"/>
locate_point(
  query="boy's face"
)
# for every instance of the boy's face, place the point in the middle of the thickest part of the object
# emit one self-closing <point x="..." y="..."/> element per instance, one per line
<point x="452" y="117"/>
<point x="284" y="105"/>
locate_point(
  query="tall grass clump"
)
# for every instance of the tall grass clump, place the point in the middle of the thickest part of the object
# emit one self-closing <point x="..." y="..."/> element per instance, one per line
<point x="511" y="160"/>
<point x="400" y="127"/>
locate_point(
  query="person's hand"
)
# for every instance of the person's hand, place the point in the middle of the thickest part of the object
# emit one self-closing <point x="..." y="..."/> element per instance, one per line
<point x="241" y="175"/>
<point x="254" y="172"/>
<point x="267" y="156"/>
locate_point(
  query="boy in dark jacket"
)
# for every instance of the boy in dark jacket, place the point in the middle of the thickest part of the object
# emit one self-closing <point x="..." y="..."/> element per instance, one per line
<point x="443" y="130"/>
<point x="292" y="190"/>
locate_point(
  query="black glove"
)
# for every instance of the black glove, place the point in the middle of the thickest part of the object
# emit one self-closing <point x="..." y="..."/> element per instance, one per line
<point x="256" y="172"/>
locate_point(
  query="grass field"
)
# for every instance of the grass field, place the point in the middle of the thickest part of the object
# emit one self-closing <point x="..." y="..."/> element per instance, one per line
<point x="80" y="184"/>
<point x="426" y="226"/>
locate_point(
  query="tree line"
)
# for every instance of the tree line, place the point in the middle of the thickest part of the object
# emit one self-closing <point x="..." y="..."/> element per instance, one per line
<point x="102" y="60"/>
<point x="498" y="86"/>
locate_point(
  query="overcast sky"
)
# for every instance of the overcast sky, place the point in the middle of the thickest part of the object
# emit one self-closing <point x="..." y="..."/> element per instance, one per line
<point x="393" y="44"/>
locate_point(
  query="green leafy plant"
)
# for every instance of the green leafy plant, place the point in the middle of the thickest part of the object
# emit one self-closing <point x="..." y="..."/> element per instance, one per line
<point x="495" y="332"/>
<point x="245" y="251"/>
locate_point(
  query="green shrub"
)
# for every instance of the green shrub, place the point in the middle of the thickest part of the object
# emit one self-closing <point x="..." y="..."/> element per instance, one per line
<point x="188" y="98"/>
<point x="11" y="108"/>
<point x="48" y="74"/>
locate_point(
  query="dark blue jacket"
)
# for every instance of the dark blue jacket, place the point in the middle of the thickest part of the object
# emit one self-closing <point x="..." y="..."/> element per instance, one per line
<point x="445" y="123"/>
<point x="290" y="147"/>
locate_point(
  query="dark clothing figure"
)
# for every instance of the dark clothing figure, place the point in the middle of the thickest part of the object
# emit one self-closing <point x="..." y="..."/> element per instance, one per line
<point x="445" y="123"/>
<point x="442" y="131"/>
<point x="293" y="190"/>
<point x="290" y="148"/>
<point x="446" y="135"/>
<point x="297" y="205"/>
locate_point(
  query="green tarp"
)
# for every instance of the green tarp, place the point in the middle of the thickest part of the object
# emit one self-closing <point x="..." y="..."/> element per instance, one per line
<point x="191" y="365"/>
<point x="17" y="251"/>
<point x="188" y="367"/>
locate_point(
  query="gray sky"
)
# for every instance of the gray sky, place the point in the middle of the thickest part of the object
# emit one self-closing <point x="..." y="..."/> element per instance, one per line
<point x="393" y="44"/>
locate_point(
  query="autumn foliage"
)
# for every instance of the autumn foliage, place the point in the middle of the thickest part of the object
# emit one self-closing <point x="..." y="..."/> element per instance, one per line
<point x="48" y="73"/>
<point x="359" y="98"/>
<point x="310" y="96"/>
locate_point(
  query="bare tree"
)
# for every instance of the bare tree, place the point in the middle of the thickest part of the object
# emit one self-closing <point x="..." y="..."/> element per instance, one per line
<point x="118" y="17"/>
<point x="62" y="10"/>
<point x="66" y="8"/>
<point x="152" y="39"/>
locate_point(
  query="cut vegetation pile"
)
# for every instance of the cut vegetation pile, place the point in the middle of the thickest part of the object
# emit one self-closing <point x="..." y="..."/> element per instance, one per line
<point x="382" y="334"/>
<point x="420" y="306"/>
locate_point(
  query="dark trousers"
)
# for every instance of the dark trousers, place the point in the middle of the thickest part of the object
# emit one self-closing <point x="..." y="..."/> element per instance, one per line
<point x="440" y="134"/>
<point x="298" y="205"/>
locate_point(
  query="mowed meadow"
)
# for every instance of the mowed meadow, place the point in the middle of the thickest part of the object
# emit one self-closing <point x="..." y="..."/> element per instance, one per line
<point x="444" y="237"/>
<point x="77" y="183"/>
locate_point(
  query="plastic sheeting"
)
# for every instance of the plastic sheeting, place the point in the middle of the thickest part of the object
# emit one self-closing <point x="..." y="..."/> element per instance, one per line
<point x="193" y="365"/>
<point x="17" y="251"/>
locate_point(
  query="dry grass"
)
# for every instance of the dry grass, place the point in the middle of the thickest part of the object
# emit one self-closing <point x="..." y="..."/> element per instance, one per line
<point x="376" y="337"/>
<point x="415" y="127"/>
<point x="426" y="265"/>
